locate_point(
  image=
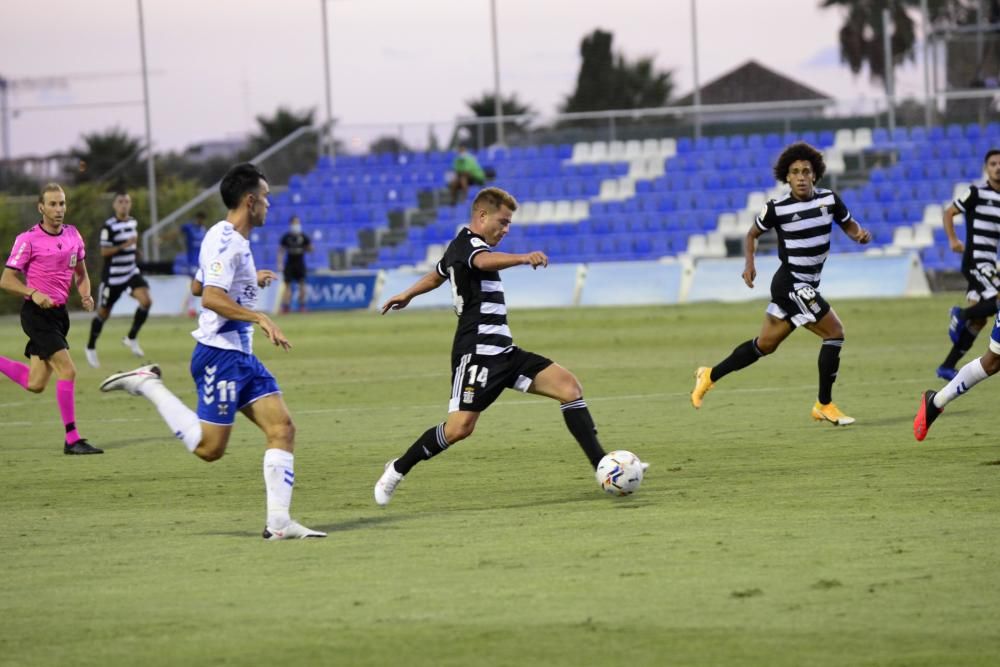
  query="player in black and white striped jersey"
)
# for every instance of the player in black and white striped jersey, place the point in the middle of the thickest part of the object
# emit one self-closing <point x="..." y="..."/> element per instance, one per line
<point x="803" y="220"/>
<point x="119" y="241"/>
<point x="980" y="204"/>
<point x="484" y="359"/>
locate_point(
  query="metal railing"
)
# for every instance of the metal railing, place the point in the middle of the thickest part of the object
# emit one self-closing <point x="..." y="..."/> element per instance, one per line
<point x="151" y="237"/>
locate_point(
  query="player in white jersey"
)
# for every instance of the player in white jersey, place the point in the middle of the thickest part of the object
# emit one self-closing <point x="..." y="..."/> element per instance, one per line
<point x="228" y="376"/>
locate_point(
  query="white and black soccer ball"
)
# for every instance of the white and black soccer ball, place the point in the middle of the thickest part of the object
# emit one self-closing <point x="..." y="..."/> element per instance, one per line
<point x="619" y="473"/>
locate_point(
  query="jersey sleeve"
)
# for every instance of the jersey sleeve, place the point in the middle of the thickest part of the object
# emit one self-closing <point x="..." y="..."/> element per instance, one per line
<point x="20" y="254"/>
<point x="106" y="241"/>
<point x="220" y="271"/>
<point x="285" y="241"/>
<point x="966" y="199"/>
<point x="82" y="254"/>
<point x="840" y="211"/>
<point x="767" y="217"/>
<point x="468" y="247"/>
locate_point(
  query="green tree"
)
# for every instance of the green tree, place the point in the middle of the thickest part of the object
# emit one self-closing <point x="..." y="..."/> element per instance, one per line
<point x="610" y="81"/>
<point x="862" y="33"/>
<point x="389" y="144"/>
<point x="272" y="129"/>
<point x="112" y="156"/>
<point x="484" y="106"/>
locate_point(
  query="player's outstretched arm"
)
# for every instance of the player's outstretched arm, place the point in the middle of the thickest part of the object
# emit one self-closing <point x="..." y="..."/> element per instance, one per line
<point x="265" y="277"/>
<point x="948" y="220"/>
<point x="856" y="232"/>
<point x="83" y="286"/>
<point x="498" y="261"/>
<point x="749" y="249"/>
<point x="217" y="300"/>
<point x="430" y="281"/>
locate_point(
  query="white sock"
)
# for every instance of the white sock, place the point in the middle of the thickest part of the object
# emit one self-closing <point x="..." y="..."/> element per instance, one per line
<point x="968" y="377"/>
<point x="279" y="478"/>
<point x="181" y="419"/>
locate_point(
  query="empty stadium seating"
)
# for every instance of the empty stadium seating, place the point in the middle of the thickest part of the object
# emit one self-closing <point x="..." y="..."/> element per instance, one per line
<point x="627" y="200"/>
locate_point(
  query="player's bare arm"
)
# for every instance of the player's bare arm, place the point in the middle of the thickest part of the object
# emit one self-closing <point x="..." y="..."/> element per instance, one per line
<point x="749" y="248"/>
<point x="265" y="277"/>
<point x="218" y="300"/>
<point x="11" y="283"/>
<point x="83" y="286"/>
<point x="430" y="281"/>
<point x="857" y="233"/>
<point x="948" y="219"/>
<point x="498" y="261"/>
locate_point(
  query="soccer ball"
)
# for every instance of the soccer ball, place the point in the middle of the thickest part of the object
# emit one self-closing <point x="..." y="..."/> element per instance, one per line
<point x="620" y="473"/>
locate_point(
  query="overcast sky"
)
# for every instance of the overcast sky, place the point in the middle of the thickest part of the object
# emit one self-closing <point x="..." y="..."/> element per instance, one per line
<point x="218" y="63"/>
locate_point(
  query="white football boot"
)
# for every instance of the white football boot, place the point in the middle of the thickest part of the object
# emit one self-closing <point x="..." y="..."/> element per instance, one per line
<point x="387" y="483"/>
<point x="91" y="355"/>
<point x="133" y="345"/>
<point x="131" y="380"/>
<point x="293" y="531"/>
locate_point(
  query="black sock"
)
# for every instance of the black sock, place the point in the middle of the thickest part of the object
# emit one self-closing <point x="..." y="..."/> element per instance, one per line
<point x="745" y="354"/>
<point x="581" y="425"/>
<point x="140" y="316"/>
<point x="427" y="446"/>
<point x="829" y="364"/>
<point x="965" y="340"/>
<point x="986" y="308"/>
<point x="96" y="325"/>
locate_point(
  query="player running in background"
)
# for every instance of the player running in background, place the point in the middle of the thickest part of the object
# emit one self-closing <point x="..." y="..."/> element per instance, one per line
<point x="980" y="204"/>
<point x="227" y="375"/>
<point x="119" y="240"/>
<point x="803" y="220"/>
<point x="50" y="255"/>
<point x="932" y="402"/>
<point x="484" y="359"/>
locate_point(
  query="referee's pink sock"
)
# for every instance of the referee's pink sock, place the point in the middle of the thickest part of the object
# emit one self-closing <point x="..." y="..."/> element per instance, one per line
<point x="15" y="370"/>
<point x="67" y="408"/>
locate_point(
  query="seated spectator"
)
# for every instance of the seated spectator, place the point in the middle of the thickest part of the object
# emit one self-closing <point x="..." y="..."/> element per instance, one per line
<point x="467" y="170"/>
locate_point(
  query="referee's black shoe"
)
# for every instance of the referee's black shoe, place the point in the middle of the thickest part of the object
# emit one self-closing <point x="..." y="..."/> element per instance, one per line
<point x="81" y="447"/>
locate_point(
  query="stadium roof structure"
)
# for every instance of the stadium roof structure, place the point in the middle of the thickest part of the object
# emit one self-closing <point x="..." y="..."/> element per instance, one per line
<point x="753" y="82"/>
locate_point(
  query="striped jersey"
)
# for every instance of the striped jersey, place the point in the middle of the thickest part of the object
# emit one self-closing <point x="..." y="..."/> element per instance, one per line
<point x="981" y="206"/>
<point x="121" y="266"/>
<point x="477" y="297"/>
<point x="803" y="229"/>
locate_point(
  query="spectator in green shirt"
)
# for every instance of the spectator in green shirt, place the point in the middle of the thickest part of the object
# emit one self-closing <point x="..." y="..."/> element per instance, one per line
<point x="467" y="170"/>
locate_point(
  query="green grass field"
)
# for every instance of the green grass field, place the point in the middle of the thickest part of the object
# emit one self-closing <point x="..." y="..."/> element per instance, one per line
<point x="758" y="538"/>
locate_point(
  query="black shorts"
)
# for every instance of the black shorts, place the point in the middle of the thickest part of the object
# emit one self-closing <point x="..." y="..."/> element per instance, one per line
<point x="108" y="295"/>
<point x="294" y="272"/>
<point x="477" y="380"/>
<point x="984" y="283"/>
<point x="798" y="306"/>
<point x="46" y="329"/>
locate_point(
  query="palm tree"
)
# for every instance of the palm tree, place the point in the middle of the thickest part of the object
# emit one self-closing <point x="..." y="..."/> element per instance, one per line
<point x="484" y="106"/>
<point x="108" y="155"/>
<point x="861" y="35"/>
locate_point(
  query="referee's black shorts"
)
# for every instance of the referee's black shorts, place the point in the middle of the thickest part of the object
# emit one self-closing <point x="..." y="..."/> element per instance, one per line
<point x="46" y="329"/>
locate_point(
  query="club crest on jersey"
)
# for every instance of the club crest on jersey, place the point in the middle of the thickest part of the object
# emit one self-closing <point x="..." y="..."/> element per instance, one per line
<point x="215" y="268"/>
<point x="72" y="260"/>
<point x="478" y="243"/>
<point x="469" y="395"/>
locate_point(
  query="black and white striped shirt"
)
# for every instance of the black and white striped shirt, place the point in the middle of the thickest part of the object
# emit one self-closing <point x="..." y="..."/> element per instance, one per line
<point x="803" y="229"/>
<point x="981" y="206"/>
<point x="478" y="299"/>
<point x="121" y="266"/>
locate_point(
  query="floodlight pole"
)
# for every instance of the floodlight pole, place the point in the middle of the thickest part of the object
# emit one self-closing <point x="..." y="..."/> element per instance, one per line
<point x="926" y="23"/>
<point x="328" y="132"/>
<point x="694" y="63"/>
<point x="890" y="85"/>
<point x="150" y="162"/>
<point x="497" y="103"/>
<point x="4" y="118"/>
